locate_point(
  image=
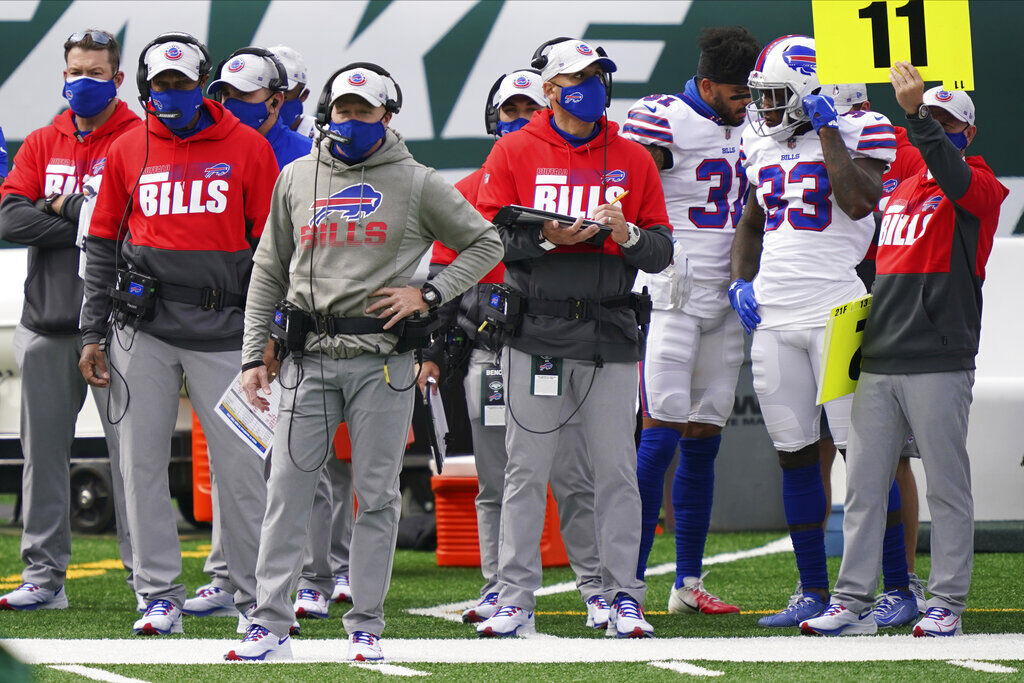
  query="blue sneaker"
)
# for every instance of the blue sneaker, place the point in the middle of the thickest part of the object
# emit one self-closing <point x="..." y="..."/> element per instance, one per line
<point x="807" y="607"/>
<point x="894" y="608"/>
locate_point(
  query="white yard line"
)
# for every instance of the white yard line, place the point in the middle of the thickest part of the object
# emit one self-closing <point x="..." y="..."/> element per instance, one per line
<point x="391" y="669"/>
<point x="452" y="610"/>
<point x="1005" y="646"/>
<point x="97" y="674"/>
<point x="687" y="668"/>
<point x="985" y="667"/>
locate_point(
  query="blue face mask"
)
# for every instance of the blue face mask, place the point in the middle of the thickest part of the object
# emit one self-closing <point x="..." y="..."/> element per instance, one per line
<point x="185" y="101"/>
<point x="586" y="100"/>
<point x="86" y="96"/>
<point x="504" y="128"/>
<point x="252" y="114"/>
<point x="362" y="136"/>
<point x="291" y="110"/>
<point x="959" y="140"/>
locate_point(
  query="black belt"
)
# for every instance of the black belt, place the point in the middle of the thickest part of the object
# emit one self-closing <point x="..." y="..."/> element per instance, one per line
<point x="206" y="298"/>
<point x="576" y="309"/>
<point x="334" y="325"/>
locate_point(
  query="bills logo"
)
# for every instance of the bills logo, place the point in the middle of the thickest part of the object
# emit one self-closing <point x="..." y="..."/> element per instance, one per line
<point x="68" y="94"/>
<point x="494" y="396"/>
<point x="236" y="65"/>
<point x="943" y="96"/>
<point x="357" y="79"/>
<point x="157" y="104"/>
<point x="97" y="166"/>
<point x="584" y="49"/>
<point x="521" y="82"/>
<point x="495" y="301"/>
<point x="173" y="53"/>
<point x="574" y="97"/>
<point x="801" y="58"/>
<point x="221" y="169"/>
<point x="889" y="186"/>
<point x="932" y="203"/>
<point x="353" y="202"/>
<point x="617" y="176"/>
<point x="135" y="289"/>
<point x="545" y="365"/>
<point x="279" y="318"/>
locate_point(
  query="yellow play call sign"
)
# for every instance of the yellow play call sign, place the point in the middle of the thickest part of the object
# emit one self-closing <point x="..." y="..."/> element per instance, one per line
<point x="840" y="355"/>
<point x="858" y="40"/>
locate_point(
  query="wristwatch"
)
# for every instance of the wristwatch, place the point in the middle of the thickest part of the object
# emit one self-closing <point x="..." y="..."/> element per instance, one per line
<point x="634" y="236"/>
<point x="923" y="112"/>
<point x="48" y="202"/>
<point x="431" y="296"/>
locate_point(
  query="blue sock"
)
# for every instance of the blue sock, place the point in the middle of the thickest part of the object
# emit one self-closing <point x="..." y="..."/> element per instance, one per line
<point x="894" y="549"/>
<point x="657" y="446"/>
<point x="803" y="496"/>
<point x="692" y="493"/>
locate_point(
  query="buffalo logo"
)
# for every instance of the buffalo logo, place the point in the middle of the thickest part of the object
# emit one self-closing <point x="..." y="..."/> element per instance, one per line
<point x="616" y="176"/>
<point x="494" y="396"/>
<point x="545" y="365"/>
<point x="278" y="318"/>
<point x="355" y="201"/>
<point x="494" y="386"/>
<point x="357" y="79"/>
<point x="97" y="166"/>
<point x="932" y="203"/>
<point x="584" y="49"/>
<point x="800" y="58"/>
<point x="135" y="289"/>
<point x="68" y="94"/>
<point x="236" y="65"/>
<point x="157" y="104"/>
<point x="173" y="53"/>
<point x="574" y="97"/>
<point x="221" y="169"/>
<point x="521" y="82"/>
<point x="889" y="185"/>
<point x="943" y="96"/>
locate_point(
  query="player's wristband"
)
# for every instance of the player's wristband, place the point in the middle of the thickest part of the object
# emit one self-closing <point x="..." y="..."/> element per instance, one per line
<point x="251" y="364"/>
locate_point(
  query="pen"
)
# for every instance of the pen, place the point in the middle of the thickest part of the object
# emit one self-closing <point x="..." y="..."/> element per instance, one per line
<point x="618" y="198"/>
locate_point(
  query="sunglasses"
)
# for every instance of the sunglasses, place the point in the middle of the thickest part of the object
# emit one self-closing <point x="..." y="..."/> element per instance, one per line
<point x="98" y="37"/>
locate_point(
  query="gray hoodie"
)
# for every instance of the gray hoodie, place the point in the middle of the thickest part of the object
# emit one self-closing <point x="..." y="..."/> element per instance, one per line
<point x="374" y="221"/>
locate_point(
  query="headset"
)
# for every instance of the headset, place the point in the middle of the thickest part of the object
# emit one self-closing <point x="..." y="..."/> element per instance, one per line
<point x="540" y="60"/>
<point x="173" y="37"/>
<point x="279" y="84"/>
<point x="323" y="105"/>
<point x="491" y="111"/>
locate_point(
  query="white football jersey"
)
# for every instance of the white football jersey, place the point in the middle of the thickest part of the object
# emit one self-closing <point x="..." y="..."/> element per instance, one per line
<point x="705" y="185"/>
<point x="811" y="246"/>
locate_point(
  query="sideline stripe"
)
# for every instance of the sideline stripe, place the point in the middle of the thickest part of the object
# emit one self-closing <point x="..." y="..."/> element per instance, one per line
<point x="581" y="613"/>
<point x="97" y="674"/>
<point x="389" y="669"/>
<point x="687" y="668"/>
<point x="985" y="667"/>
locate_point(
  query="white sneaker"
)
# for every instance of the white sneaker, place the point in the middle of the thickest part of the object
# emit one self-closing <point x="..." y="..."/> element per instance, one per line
<point x="342" y="591"/>
<point x="210" y="601"/>
<point x="482" y="611"/>
<point x="917" y="590"/>
<point x="627" y="619"/>
<point x="598" y="612"/>
<point x="310" y="604"/>
<point x="260" y="645"/>
<point x="692" y="597"/>
<point x="364" y="647"/>
<point x="507" y="622"/>
<point x="939" y="621"/>
<point x="160" y="618"/>
<point x="244" y="622"/>
<point x="839" y="621"/>
<point x="28" y="597"/>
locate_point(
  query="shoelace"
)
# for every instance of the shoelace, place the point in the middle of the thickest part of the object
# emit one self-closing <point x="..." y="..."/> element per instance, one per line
<point x="310" y="594"/>
<point x="489" y="599"/>
<point x="797" y="595"/>
<point x="794" y="606"/>
<point x="937" y="613"/>
<point x="29" y="587"/>
<point x="833" y="610"/>
<point x="159" y="608"/>
<point x="255" y="632"/>
<point x="208" y="592"/>
<point x="628" y="607"/>
<point x="340" y="580"/>
<point x="508" y="611"/>
<point x="364" y="638"/>
<point x="599" y="601"/>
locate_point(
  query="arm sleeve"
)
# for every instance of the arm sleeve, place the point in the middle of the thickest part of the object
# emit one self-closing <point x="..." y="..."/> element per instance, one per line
<point x="876" y="139"/>
<point x="653" y="253"/>
<point x="20" y="221"/>
<point x="259" y="188"/>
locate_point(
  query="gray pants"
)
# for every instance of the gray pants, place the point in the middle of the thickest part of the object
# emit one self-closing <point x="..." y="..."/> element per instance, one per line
<point x="152" y="371"/>
<point x="52" y="394"/>
<point x="607" y="417"/>
<point x="330" y="527"/>
<point x="572" y="484"/>
<point x="216" y="567"/>
<point x="378" y="418"/>
<point x="886" y="410"/>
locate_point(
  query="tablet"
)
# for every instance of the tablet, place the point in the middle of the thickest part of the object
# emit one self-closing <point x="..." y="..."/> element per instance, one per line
<point x="526" y="217"/>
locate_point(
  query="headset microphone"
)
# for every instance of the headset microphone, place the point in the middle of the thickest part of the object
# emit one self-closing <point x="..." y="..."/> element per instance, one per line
<point x="327" y="132"/>
<point x="176" y="114"/>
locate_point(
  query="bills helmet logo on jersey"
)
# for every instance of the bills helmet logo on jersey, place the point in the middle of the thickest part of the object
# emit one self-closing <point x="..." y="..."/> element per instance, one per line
<point x="236" y="65"/>
<point x="889" y="186"/>
<point x="357" y="79"/>
<point x="584" y="50"/>
<point x="617" y="176"/>
<point x="932" y="203"/>
<point x="97" y="166"/>
<point x="173" y="53"/>
<point x="521" y="82"/>
<point x="800" y="58"/>
<point x="221" y="169"/>
<point x="353" y="202"/>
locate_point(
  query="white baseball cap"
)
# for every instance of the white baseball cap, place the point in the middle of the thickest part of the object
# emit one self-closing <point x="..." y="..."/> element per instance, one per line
<point x="247" y="73"/>
<point x="293" y="63"/>
<point x="571" y="56"/>
<point x="520" y="83"/>
<point x="848" y="94"/>
<point x="183" y="57"/>
<point x="956" y="102"/>
<point x="369" y="85"/>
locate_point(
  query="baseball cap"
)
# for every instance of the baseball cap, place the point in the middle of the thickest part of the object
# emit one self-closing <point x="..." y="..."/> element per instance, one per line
<point x="520" y="83"/>
<point x="293" y="63"/>
<point x="246" y="73"/>
<point x="183" y="57"/>
<point x="846" y="95"/>
<point x="956" y="102"/>
<point x="369" y="85"/>
<point x="571" y="56"/>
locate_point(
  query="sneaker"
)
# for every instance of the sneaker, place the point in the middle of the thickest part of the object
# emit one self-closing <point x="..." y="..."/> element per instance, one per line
<point x="342" y="592"/>
<point x="310" y="604"/>
<point x="839" y="621"/>
<point x="364" y="647"/>
<point x="917" y="590"/>
<point x="939" y="621"/>
<point x="260" y="645"/>
<point x="807" y="607"/>
<point x="894" y="608"/>
<point x="28" y="597"/>
<point x="161" y="618"/>
<point x="210" y="601"/>
<point x="244" y="622"/>
<point x="507" y="621"/>
<point x="626" y="619"/>
<point x="482" y="611"/>
<point x="598" y="612"/>
<point x="140" y="603"/>
<point x="692" y="597"/>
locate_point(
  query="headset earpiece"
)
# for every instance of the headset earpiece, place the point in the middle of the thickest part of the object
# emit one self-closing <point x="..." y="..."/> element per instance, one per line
<point x="539" y="59"/>
<point x="172" y="37"/>
<point x="492" y="112"/>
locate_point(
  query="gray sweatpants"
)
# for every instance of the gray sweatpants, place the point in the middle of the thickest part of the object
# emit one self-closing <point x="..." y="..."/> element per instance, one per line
<point x="886" y="410"/>
<point x="572" y="485"/>
<point x="152" y="377"/>
<point x="52" y="394"/>
<point x="606" y="398"/>
<point x="378" y="417"/>
<point x="330" y="527"/>
<point x="215" y="566"/>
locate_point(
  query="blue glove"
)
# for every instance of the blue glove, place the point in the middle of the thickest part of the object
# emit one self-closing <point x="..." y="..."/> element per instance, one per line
<point x="741" y="296"/>
<point x="821" y="110"/>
